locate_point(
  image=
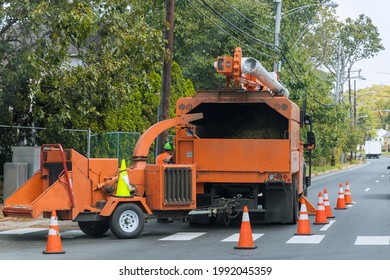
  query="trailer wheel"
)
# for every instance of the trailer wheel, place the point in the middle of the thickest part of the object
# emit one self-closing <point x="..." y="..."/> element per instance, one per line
<point x="127" y="221"/>
<point x="94" y="229"/>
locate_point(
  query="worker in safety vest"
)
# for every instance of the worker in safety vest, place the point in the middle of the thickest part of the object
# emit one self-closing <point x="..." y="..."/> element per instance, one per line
<point x="167" y="156"/>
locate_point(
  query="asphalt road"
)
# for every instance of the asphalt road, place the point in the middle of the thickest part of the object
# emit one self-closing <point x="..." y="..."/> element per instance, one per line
<point x="362" y="232"/>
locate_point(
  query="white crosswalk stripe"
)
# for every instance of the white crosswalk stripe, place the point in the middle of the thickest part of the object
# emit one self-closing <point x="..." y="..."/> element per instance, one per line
<point x="305" y="239"/>
<point x="326" y="227"/>
<point x="188" y="236"/>
<point x="235" y="237"/>
<point x="182" y="236"/>
<point x="372" y="240"/>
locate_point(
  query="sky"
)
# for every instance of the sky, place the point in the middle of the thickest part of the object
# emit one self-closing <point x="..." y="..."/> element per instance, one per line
<point x="375" y="70"/>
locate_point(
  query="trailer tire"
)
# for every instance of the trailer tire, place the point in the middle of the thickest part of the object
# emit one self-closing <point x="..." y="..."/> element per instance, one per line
<point x="127" y="221"/>
<point x="94" y="228"/>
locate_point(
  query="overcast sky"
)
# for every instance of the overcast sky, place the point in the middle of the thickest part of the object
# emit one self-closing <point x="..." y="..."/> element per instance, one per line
<point x="376" y="70"/>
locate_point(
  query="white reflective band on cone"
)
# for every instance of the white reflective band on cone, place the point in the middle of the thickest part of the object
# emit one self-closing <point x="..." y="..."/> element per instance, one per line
<point x="52" y="231"/>
<point x="53" y="221"/>
<point x="126" y="179"/>
<point x="245" y="217"/>
<point x="303" y="217"/>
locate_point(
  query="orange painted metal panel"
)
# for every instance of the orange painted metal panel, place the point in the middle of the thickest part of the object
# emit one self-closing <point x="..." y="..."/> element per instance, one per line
<point x="154" y="187"/>
<point x="113" y="201"/>
<point x="238" y="155"/>
<point x="185" y="152"/>
<point x="54" y="198"/>
<point x="99" y="169"/>
<point x="230" y="177"/>
<point x="27" y="193"/>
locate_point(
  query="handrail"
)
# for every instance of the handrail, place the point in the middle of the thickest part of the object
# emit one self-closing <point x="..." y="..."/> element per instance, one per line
<point x="59" y="146"/>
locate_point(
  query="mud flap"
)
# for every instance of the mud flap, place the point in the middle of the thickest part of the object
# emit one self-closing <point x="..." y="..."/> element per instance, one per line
<point x="278" y="202"/>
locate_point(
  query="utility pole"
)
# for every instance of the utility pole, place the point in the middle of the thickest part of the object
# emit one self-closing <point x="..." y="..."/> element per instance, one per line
<point x="337" y="89"/>
<point x="354" y="101"/>
<point x="278" y="19"/>
<point x="163" y="112"/>
<point x="359" y="76"/>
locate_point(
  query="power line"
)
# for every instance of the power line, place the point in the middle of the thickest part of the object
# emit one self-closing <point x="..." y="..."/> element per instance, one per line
<point x="296" y="77"/>
<point x="384" y="73"/>
<point x="268" y="45"/>
<point x="246" y="18"/>
<point x="227" y="33"/>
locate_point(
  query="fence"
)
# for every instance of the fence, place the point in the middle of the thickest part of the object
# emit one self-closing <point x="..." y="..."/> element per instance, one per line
<point x="115" y="145"/>
<point x="112" y="144"/>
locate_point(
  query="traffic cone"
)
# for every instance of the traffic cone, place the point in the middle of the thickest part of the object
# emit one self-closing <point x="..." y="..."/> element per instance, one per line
<point x="328" y="210"/>
<point x="340" y="199"/>
<point x="347" y="194"/>
<point x="311" y="210"/>
<point x="246" y="239"/>
<point x="303" y="220"/>
<point x="321" y="213"/>
<point x="122" y="188"/>
<point x="54" y="245"/>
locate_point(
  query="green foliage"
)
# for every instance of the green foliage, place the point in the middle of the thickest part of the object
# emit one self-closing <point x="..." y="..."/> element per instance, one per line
<point x="373" y="108"/>
<point x="114" y="145"/>
<point x="96" y="64"/>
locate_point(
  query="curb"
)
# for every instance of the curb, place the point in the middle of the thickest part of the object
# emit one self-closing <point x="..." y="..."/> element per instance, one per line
<point x="339" y="169"/>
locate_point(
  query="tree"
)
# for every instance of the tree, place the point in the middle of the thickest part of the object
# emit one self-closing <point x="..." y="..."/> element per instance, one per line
<point x="79" y="65"/>
<point x="205" y="30"/>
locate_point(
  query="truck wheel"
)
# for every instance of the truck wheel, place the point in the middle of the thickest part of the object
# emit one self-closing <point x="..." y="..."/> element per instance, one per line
<point x="127" y="221"/>
<point x="94" y="229"/>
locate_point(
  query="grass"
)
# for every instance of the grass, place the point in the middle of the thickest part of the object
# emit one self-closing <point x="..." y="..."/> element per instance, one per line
<point x="324" y="168"/>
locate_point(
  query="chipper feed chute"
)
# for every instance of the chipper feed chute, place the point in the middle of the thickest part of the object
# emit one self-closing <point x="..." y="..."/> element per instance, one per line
<point x="49" y="188"/>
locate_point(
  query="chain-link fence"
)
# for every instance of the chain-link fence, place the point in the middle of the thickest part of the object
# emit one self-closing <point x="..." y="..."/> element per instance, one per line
<point x="107" y="145"/>
<point x="115" y="145"/>
<point x="10" y="136"/>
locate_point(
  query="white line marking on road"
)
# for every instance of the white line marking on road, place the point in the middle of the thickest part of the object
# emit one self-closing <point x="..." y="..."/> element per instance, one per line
<point x="235" y="237"/>
<point x="182" y="236"/>
<point x="324" y="228"/>
<point x="383" y="176"/>
<point x="377" y="181"/>
<point x="23" y="230"/>
<point x="366" y="190"/>
<point x="306" y="239"/>
<point x="372" y="240"/>
<point x="337" y="172"/>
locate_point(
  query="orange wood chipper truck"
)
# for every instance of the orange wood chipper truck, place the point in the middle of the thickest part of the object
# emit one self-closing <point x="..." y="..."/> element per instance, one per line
<point x="233" y="147"/>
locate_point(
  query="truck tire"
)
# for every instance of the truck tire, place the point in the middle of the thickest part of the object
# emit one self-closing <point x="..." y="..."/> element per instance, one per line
<point x="94" y="229"/>
<point x="127" y="221"/>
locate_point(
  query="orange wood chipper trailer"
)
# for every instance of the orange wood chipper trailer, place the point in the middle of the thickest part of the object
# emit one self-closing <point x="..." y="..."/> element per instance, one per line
<point x="233" y="148"/>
